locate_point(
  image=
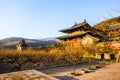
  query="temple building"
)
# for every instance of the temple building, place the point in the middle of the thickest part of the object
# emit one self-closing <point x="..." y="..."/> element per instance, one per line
<point x="21" y="45"/>
<point x="83" y="34"/>
<point x="114" y="32"/>
<point x="78" y="31"/>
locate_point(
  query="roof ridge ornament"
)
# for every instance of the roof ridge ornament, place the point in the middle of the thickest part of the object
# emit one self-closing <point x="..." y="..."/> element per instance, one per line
<point x="75" y="23"/>
<point x="84" y="20"/>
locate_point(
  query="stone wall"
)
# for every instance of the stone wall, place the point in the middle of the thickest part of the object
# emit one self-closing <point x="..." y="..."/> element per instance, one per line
<point x="26" y="75"/>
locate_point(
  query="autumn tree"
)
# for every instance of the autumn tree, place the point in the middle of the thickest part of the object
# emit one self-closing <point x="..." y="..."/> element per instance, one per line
<point x="74" y="56"/>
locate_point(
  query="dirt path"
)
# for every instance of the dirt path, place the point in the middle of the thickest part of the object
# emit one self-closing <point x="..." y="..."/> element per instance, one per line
<point x="66" y="69"/>
<point x="110" y="72"/>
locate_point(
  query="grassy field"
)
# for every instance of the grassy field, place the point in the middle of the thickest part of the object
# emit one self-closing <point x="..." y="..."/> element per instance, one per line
<point x="13" y="60"/>
<point x="45" y="57"/>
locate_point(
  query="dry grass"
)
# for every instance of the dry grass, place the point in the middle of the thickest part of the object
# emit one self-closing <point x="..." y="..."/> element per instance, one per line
<point x="39" y="59"/>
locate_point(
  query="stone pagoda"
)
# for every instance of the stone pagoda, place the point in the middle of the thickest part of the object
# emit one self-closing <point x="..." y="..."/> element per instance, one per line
<point x="21" y="45"/>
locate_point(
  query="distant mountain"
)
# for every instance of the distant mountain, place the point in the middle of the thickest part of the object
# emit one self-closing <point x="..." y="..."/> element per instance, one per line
<point x="12" y="41"/>
<point x="49" y="39"/>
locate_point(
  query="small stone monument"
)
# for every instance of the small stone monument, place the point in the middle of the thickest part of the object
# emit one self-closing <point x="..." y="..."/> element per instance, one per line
<point x="21" y="45"/>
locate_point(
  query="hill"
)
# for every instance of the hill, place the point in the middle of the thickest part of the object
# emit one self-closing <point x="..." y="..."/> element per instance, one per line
<point x="12" y="41"/>
<point x="105" y="24"/>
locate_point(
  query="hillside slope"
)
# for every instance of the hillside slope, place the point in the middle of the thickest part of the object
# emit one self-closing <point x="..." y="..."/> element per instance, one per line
<point x="105" y="24"/>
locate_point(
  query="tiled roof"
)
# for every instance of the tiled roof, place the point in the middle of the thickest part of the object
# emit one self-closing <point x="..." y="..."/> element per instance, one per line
<point x="76" y="26"/>
<point x="80" y="35"/>
<point x="22" y="43"/>
<point x="71" y="36"/>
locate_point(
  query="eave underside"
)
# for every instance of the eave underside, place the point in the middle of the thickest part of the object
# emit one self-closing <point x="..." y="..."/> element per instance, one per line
<point x="69" y="37"/>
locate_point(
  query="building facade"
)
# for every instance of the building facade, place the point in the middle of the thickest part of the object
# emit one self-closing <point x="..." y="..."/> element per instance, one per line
<point x="77" y="32"/>
<point x="83" y="34"/>
<point x="114" y="32"/>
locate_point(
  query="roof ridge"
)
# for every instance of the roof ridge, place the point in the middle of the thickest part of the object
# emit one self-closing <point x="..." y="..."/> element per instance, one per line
<point x="76" y="25"/>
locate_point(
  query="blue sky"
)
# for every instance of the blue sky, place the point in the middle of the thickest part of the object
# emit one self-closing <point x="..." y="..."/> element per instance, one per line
<point x="43" y="18"/>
